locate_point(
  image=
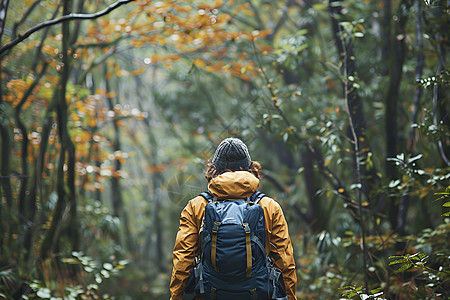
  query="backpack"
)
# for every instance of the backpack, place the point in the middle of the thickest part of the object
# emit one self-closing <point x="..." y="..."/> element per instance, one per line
<point x="233" y="263"/>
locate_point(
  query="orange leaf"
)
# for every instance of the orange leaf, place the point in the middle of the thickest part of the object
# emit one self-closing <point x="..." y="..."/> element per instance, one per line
<point x="138" y="71"/>
<point x="111" y="95"/>
<point x="92" y="122"/>
<point x="264" y="33"/>
<point x="74" y="117"/>
<point x="199" y="62"/>
<point x="109" y="75"/>
<point x="248" y="12"/>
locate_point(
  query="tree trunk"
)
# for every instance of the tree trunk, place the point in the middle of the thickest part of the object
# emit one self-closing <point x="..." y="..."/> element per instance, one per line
<point x="155" y="230"/>
<point x="397" y="56"/>
<point x="5" y="188"/>
<point x="386" y="34"/>
<point x="52" y="236"/>
<point x="116" y="191"/>
<point x="419" y="71"/>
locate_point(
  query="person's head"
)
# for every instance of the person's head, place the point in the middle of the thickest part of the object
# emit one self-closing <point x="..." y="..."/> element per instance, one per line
<point x="231" y="155"/>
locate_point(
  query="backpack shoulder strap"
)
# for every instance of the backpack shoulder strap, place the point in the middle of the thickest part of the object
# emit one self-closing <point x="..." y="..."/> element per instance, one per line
<point x="207" y="195"/>
<point x="257" y="196"/>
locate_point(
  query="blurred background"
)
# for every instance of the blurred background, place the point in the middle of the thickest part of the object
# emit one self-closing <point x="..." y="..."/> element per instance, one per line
<point x="108" y="116"/>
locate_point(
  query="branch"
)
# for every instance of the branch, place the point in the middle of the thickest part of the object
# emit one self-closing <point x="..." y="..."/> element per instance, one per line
<point x="62" y="19"/>
<point x="41" y="43"/>
<point x="3" y="12"/>
<point x="24" y="17"/>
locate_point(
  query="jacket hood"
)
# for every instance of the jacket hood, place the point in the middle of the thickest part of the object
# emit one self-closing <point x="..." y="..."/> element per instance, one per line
<point x="233" y="185"/>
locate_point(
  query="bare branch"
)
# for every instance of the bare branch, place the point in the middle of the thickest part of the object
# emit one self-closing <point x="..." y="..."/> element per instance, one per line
<point x="25" y="16"/>
<point x="41" y="43"/>
<point x="3" y="12"/>
<point x="62" y="19"/>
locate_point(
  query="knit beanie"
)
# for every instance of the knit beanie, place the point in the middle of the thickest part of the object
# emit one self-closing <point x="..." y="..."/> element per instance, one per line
<point x="231" y="154"/>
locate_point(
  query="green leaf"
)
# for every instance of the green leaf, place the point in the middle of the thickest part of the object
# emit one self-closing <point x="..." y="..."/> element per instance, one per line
<point x="374" y="291"/>
<point x="69" y="260"/>
<point x="398" y="261"/>
<point x="404" y="267"/>
<point x="446" y="204"/>
<point x="303" y="31"/>
<point x="319" y="6"/>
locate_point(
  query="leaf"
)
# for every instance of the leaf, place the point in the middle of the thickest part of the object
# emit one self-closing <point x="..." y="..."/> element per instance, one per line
<point x="43" y="293"/>
<point x="394" y="183"/>
<point x="404" y="267"/>
<point x="69" y="260"/>
<point x="109" y="75"/>
<point x="248" y="12"/>
<point x="111" y="95"/>
<point x="199" y="62"/>
<point x="319" y="6"/>
<point x="446" y="204"/>
<point x="398" y="261"/>
<point x="138" y="71"/>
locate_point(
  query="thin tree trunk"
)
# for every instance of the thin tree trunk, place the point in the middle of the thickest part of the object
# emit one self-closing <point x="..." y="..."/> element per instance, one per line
<point x="437" y="98"/>
<point x="5" y="189"/>
<point x="3" y="13"/>
<point x="391" y="102"/>
<point x="51" y="239"/>
<point x="356" y="119"/>
<point x="116" y="196"/>
<point x="386" y="34"/>
<point x="419" y="72"/>
<point x="36" y="180"/>
<point x="404" y="200"/>
<point x="157" y="180"/>
<point x="24" y="149"/>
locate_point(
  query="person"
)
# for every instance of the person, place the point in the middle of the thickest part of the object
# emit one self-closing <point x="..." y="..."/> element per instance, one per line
<point x="232" y="175"/>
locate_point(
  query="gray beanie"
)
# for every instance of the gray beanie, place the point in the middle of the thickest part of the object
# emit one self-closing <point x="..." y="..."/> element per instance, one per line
<point x="231" y="154"/>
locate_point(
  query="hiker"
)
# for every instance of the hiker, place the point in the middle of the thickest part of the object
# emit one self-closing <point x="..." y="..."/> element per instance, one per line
<point x="232" y="177"/>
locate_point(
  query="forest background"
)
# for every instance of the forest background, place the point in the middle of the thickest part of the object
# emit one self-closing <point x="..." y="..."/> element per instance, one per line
<point x="109" y="111"/>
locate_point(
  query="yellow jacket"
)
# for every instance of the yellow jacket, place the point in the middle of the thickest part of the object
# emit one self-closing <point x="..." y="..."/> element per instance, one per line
<point x="232" y="185"/>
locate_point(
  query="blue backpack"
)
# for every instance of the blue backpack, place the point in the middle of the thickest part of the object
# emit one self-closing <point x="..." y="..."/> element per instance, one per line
<point x="233" y="262"/>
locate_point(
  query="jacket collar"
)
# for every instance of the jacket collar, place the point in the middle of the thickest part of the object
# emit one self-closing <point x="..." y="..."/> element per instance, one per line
<point x="233" y="185"/>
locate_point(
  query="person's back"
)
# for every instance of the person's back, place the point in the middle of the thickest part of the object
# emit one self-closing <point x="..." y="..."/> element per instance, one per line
<point x="227" y="183"/>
